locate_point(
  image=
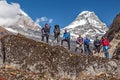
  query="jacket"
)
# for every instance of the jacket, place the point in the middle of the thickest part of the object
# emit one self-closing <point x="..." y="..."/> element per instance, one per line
<point x="105" y="42"/>
<point x="86" y="41"/>
<point x="66" y="35"/>
<point x="79" y="40"/>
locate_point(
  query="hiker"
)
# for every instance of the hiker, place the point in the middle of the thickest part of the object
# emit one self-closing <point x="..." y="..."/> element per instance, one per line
<point x="97" y="44"/>
<point x="106" y="45"/>
<point x="87" y="45"/>
<point x="56" y="33"/>
<point x="80" y="43"/>
<point x="45" y="32"/>
<point x="66" y="37"/>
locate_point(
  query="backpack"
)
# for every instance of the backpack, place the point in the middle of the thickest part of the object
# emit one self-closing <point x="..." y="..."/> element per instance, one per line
<point x="57" y="30"/>
<point x="47" y="29"/>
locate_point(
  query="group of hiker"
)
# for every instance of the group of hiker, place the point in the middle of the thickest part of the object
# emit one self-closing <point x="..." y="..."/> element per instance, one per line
<point x="84" y="44"/>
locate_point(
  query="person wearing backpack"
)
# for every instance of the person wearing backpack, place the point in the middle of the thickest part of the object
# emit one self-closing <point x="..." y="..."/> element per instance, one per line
<point x="80" y="42"/>
<point x="66" y="37"/>
<point x="45" y="32"/>
<point x="87" y="45"/>
<point x="56" y="33"/>
<point x="97" y="44"/>
<point x="106" y="45"/>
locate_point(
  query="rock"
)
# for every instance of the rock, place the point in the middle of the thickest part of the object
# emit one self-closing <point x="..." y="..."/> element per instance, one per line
<point x="26" y="57"/>
<point x="113" y="35"/>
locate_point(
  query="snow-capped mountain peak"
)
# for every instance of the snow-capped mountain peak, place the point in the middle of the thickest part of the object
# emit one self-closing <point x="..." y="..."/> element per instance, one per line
<point x="15" y="20"/>
<point x="86" y="23"/>
<point x="22" y="12"/>
<point x="86" y="13"/>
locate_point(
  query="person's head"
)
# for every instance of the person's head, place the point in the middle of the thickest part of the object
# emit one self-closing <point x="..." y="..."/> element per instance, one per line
<point x="97" y="37"/>
<point x="65" y="30"/>
<point x="46" y="24"/>
<point x="80" y="35"/>
<point x="87" y="36"/>
<point x="104" y="37"/>
<point x="56" y="26"/>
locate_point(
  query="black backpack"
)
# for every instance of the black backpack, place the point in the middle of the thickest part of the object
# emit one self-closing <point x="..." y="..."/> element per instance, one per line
<point x="57" y="30"/>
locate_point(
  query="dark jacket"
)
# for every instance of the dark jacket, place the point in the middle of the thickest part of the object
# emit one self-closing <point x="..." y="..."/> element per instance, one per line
<point x="45" y="30"/>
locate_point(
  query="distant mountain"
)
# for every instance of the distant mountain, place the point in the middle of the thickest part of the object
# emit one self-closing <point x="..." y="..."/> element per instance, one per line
<point x="15" y="20"/>
<point x="86" y="23"/>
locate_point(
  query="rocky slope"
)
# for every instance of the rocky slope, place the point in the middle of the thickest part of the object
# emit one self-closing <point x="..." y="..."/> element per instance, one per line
<point x="3" y="32"/>
<point x="114" y="36"/>
<point x="30" y="59"/>
<point x="86" y="23"/>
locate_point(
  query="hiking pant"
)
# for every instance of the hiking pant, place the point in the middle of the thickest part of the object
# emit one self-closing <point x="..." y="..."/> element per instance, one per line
<point x="47" y="37"/>
<point x="105" y="49"/>
<point x="56" y="37"/>
<point x="68" y="42"/>
<point x="87" y="49"/>
<point x="81" y="48"/>
<point x="97" y="48"/>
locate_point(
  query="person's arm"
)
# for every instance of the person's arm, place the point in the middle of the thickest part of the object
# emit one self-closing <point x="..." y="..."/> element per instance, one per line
<point x="94" y="42"/>
<point x="82" y="40"/>
<point x="108" y="43"/>
<point x="49" y="29"/>
<point x="78" y="41"/>
<point x="101" y="43"/>
<point x="68" y="35"/>
<point x="89" y="41"/>
<point x="63" y="36"/>
<point x="42" y="30"/>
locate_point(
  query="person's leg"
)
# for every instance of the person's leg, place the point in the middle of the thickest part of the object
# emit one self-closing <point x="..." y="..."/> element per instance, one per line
<point x="106" y="52"/>
<point x="98" y="49"/>
<point x="62" y="41"/>
<point x="76" y="47"/>
<point x="47" y="38"/>
<point x="89" y="50"/>
<point x="57" y="39"/>
<point x="42" y="37"/>
<point x="54" y="37"/>
<point x="81" y="50"/>
<point x="85" y="48"/>
<point x="68" y="41"/>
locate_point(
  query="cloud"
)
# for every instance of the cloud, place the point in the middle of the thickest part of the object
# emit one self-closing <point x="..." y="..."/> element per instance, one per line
<point x="50" y="20"/>
<point x="44" y="19"/>
<point x="8" y="13"/>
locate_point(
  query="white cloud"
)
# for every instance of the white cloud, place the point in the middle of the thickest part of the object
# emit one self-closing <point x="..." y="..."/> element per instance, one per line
<point x="50" y="20"/>
<point x="44" y="19"/>
<point x="8" y="13"/>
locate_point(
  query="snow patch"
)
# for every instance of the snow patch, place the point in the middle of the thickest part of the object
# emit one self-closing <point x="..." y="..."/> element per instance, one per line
<point x="11" y="30"/>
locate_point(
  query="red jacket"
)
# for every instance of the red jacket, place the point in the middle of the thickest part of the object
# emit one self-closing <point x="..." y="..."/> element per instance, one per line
<point x="105" y="42"/>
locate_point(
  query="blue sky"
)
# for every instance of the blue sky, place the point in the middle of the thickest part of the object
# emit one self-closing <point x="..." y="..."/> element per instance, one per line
<point x="63" y="12"/>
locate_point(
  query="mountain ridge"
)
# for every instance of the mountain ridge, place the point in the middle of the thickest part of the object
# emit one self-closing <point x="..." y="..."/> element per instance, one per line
<point x="86" y="23"/>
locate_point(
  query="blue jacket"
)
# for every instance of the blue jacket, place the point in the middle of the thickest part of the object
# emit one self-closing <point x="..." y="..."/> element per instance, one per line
<point x="66" y="35"/>
<point x="86" y="41"/>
